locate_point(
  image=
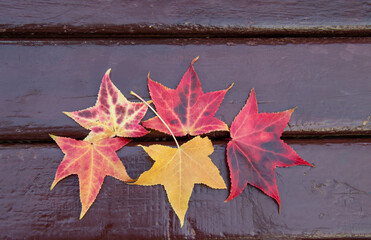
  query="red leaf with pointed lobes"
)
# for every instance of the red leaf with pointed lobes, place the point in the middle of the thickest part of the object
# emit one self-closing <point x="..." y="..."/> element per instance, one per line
<point x="91" y="162"/>
<point x="187" y="110"/>
<point x="256" y="149"/>
<point x="112" y="115"/>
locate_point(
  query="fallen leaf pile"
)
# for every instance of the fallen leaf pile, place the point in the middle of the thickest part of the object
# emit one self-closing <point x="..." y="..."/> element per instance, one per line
<point x="253" y="152"/>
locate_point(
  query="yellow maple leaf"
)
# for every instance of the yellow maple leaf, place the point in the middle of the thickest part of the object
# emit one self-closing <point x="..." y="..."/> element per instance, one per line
<point x="178" y="169"/>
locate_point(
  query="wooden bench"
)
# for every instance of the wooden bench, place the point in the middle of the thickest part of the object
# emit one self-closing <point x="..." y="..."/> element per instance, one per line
<point x="316" y="56"/>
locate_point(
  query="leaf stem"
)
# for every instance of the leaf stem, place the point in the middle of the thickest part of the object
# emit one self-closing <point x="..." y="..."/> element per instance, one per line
<point x="162" y="120"/>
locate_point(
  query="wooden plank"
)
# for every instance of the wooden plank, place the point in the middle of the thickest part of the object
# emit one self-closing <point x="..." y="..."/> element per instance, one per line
<point x="328" y="201"/>
<point x="184" y="18"/>
<point x="328" y="80"/>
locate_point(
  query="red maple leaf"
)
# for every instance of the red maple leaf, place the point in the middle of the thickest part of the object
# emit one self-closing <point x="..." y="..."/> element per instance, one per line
<point x="91" y="162"/>
<point x="256" y="149"/>
<point x="187" y="110"/>
<point x="112" y="115"/>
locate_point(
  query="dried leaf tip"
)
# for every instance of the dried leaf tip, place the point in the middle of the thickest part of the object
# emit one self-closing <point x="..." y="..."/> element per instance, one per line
<point x="53" y="185"/>
<point x="53" y="136"/>
<point x="81" y="215"/>
<point x="108" y="72"/>
<point x="230" y="86"/>
<point x="194" y="60"/>
<point x="292" y="109"/>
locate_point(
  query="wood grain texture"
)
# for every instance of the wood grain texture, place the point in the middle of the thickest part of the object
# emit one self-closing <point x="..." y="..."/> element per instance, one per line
<point x="328" y="80"/>
<point x="184" y="18"/>
<point x="331" y="200"/>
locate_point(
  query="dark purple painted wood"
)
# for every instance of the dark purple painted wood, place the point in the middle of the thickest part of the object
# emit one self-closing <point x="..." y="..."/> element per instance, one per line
<point x="184" y="18"/>
<point x="329" y="201"/>
<point x="329" y="81"/>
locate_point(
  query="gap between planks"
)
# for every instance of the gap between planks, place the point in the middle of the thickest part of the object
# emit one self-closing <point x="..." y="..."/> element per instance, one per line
<point x="32" y="31"/>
